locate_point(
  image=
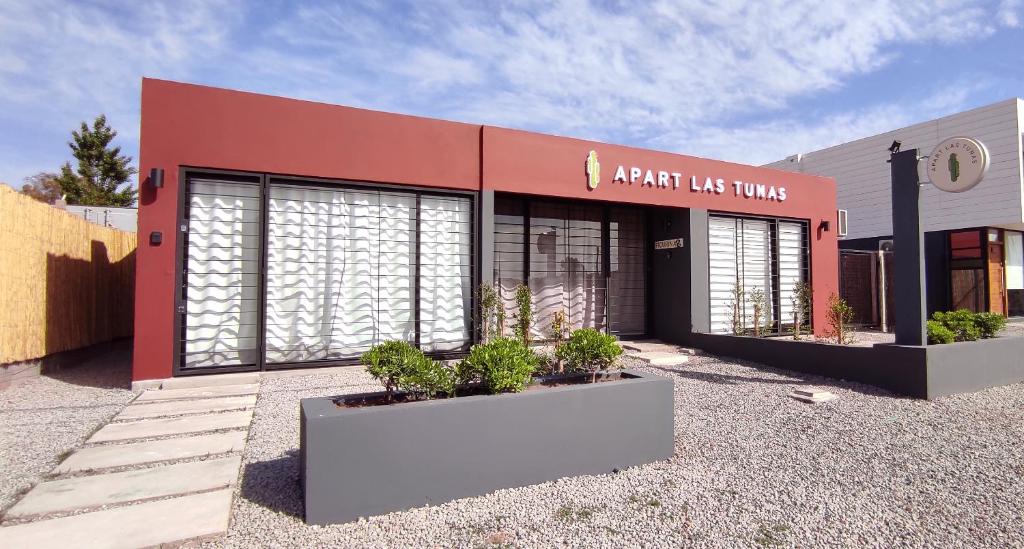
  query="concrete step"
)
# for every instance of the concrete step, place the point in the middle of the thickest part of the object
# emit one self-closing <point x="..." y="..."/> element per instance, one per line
<point x="148" y="428"/>
<point x="98" y="490"/>
<point x="140" y="453"/>
<point x="156" y="523"/>
<point x="179" y="407"/>
<point x="662" y="358"/>
<point x="153" y="395"/>
<point x="654" y="346"/>
<point x="191" y="382"/>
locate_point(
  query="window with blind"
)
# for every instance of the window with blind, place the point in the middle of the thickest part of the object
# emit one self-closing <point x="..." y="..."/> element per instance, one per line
<point x="748" y="255"/>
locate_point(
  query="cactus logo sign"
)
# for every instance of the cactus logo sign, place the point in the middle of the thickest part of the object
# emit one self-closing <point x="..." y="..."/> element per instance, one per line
<point x="593" y="170"/>
<point x="958" y="164"/>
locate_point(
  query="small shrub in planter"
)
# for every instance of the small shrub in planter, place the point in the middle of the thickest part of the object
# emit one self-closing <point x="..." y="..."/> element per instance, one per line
<point x="588" y="350"/>
<point x="939" y="334"/>
<point x="388" y="362"/>
<point x="428" y="378"/>
<point x="504" y="365"/>
<point x="397" y="365"/>
<point x="990" y="324"/>
<point x="961" y="323"/>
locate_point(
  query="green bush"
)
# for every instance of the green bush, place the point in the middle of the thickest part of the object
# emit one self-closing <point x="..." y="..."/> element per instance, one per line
<point x="939" y="334"/>
<point x="961" y="323"/>
<point x="503" y="365"/>
<point x="428" y="378"/>
<point x="990" y="324"/>
<point x="588" y="350"/>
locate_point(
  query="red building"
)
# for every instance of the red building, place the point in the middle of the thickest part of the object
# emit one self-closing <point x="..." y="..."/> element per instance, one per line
<point x="286" y="233"/>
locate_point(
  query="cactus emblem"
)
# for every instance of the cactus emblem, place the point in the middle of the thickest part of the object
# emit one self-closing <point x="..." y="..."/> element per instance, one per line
<point x="593" y="170"/>
<point x="954" y="167"/>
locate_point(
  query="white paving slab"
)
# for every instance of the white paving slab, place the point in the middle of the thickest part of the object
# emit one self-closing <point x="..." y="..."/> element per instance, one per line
<point x="179" y="407"/>
<point x="663" y="358"/>
<point x="94" y="491"/>
<point x="144" y="525"/>
<point x="198" y="392"/>
<point x="211" y="380"/>
<point x="138" y="453"/>
<point x="148" y="428"/>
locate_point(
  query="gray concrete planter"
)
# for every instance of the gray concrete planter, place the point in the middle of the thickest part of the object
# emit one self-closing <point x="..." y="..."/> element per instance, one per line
<point x="358" y="462"/>
<point x="927" y="371"/>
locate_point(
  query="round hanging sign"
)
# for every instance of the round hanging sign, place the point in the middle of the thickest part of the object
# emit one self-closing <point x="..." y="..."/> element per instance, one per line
<point x="958" y="164"/>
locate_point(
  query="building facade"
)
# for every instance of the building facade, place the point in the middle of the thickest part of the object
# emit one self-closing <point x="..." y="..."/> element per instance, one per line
<point x="289" y="233"/>
<point x="974" y="242"/>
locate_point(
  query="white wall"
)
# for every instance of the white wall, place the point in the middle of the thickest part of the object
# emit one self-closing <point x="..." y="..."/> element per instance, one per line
<point x="863" y="182"/>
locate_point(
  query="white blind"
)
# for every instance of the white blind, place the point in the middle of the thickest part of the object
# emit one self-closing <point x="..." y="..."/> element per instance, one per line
<point x="722" y="272"/>
<point x="791" y="268"/>
<point x="741" y="252"/>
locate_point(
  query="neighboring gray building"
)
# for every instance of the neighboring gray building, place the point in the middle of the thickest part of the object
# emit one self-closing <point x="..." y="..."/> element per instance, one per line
<point x="125" y="219"/>
<point x="974" y="241"/>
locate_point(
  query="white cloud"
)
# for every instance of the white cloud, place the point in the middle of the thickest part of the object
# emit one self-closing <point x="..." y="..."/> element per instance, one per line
<point x="647" y="74"/>
<point x="1008" y="13"/>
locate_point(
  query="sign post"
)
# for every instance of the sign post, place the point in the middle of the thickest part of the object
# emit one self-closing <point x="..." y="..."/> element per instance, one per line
<point x="956" y="165"/>
<point x="908" y="244"/>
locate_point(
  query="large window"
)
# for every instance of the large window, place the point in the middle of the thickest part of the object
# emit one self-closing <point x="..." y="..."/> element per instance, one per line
<point x="345" y="267"/>
<point x="570" y="254"/>
<point x="750" y="257"/>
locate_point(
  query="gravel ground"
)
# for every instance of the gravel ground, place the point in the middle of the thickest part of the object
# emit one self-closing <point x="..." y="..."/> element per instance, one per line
<point x="752" y="468"/>
<point x="43" y="418"/>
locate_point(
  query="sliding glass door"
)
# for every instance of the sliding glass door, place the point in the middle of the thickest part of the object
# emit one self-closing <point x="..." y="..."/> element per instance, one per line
<point x="343" y="267"/>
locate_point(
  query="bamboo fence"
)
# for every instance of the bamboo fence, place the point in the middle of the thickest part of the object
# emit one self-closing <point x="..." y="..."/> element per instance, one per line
<point x="65" y="283"/>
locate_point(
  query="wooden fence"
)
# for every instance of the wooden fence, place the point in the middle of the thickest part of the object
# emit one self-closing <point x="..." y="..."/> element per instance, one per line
<point x="65" y="283"/>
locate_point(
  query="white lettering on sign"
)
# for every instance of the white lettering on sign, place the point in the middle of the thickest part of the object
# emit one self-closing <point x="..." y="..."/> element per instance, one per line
<point x="668" y="244"/>
<point x="711" y="185"/>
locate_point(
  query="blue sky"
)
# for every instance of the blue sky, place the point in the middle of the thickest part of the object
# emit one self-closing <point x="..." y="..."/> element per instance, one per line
<point x="743" y="81"/>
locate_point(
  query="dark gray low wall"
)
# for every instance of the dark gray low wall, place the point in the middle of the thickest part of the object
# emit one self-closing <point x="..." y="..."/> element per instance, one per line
<point x="359" y="462"/>
<point x="974" y="365"/>
<point x="896" y="368"/>
<point x="917" y="371"/>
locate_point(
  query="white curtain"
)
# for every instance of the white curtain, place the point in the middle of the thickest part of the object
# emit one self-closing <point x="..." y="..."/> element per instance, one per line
<point x="445" y="273"/>
<point x="222" y="274"/>
<point x="1014" y="260"/>
<point x="339" y="275"/>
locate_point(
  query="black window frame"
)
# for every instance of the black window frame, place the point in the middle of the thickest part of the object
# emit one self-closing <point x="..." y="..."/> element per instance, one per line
<point x="778" y="326"/>
<point x="264" y="180"/>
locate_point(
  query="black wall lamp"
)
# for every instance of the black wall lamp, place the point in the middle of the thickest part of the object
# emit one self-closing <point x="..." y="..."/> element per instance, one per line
<point x="824" y="225"/>
<point x="156" y="177"/>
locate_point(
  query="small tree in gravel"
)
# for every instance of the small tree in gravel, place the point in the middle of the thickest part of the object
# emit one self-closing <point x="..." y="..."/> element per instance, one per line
<point x="489" y="306"/>
<point x="759" y="302"/>
<point x="524" y="313"/>
<point x="800" y="299"/>
<point x="736" y="306"/>
<point x="839" y="317"/>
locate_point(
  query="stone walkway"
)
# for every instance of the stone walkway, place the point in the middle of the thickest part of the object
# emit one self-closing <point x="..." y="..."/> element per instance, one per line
<point x="655" y="353"/>
<point x="162" y="471"/>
